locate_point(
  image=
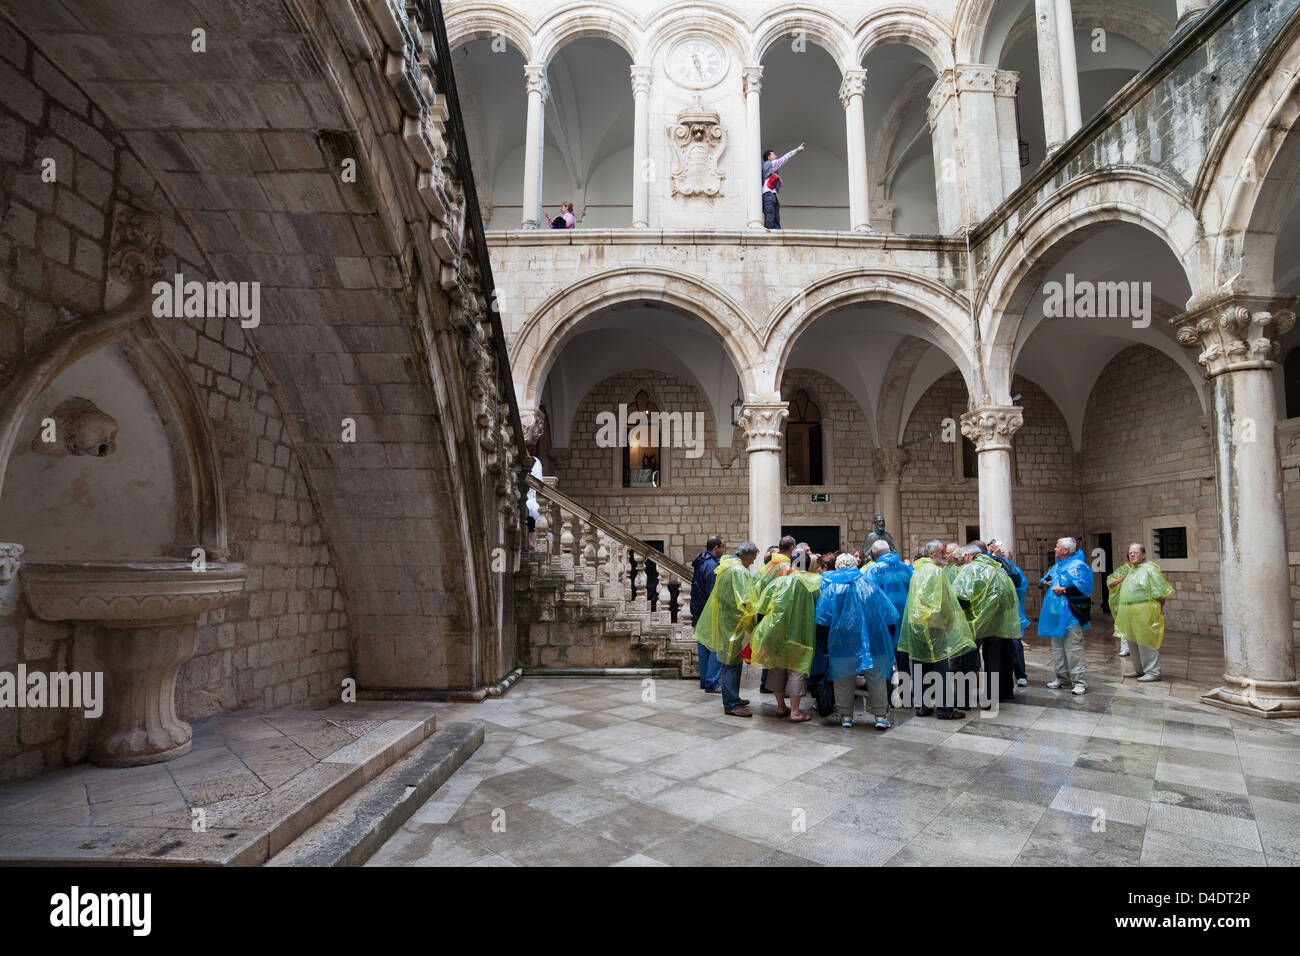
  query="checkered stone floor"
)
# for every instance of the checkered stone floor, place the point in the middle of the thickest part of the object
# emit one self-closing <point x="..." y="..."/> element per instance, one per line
<point x="592" y="772"/>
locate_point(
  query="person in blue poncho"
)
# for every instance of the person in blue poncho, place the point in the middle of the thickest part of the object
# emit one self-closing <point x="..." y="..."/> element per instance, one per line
<point x="888" y="572"/>
<point x="1066" y="614"/>
<point x="854" y="618"/>
<point x="1021" y="582"/>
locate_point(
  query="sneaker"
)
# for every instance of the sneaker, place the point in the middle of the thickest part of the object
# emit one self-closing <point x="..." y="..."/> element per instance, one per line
<point x="739" y="712"/>
<point x="882" y="723"/>
<point x="1022" y="681"/>
<point x="1079" y="689"/>
<point x="1123" y="647"/>
<point x="846" y="721"/>
<point x="1054" y="685"/>
<point x="1149" y="677"/>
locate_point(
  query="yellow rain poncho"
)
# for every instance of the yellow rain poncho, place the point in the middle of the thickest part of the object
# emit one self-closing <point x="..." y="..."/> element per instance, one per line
<point x="1137" y="595"/>
<point x="787" y="635"/>
<point x="728" y="617"/>
<point x="994" y="608"/>
<point x="934" y="627"/>
<point x="778" y="567"/>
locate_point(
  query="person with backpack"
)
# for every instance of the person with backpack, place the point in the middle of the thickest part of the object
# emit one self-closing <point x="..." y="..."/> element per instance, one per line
<point x="704" y="569"/>
<point x="1066" y="613"/>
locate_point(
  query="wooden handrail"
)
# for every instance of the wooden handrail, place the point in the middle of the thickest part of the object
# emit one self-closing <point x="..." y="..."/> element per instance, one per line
<point x="618" y="534"/>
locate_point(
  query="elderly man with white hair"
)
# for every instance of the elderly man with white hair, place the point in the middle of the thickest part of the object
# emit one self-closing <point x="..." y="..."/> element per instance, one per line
<point x="1066" y="614"/>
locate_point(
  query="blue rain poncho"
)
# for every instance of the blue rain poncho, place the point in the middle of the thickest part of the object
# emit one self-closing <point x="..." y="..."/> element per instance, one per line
<point x="786" y="637"/>
<point x="1056" y="618"/>
<point x="858" y="616"/>
<point x="729" y="614"/>
<point x="1021" y="590"/>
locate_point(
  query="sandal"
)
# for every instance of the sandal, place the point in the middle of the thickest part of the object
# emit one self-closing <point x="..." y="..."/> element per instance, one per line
<point x="800" y="719"/>
<point x="783" y="713"/>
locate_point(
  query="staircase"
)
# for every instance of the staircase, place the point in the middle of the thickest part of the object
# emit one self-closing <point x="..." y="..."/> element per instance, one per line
<point x="584" y="605"/>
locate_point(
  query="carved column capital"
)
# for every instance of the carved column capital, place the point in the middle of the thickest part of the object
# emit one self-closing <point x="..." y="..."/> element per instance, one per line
<point x="640" y="80"/>
<point x="889" y="464"/>
<point x="992" y="427"/>
<point x="1006" y="82"/>
<point x="535" y="77"/>
<point x="137" y="251"/>
<point x="853" y="84"/>
<point x="763" y="423"/>
<point x="9" y="555"/>
<point x="1235" y="330"/>
<point x="752" y="77"/>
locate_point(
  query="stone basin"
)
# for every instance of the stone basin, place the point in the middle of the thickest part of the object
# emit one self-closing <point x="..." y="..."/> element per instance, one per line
<point x="145" y="617"/>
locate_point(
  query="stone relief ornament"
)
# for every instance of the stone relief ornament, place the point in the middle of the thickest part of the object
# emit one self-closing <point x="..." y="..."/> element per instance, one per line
<point x="698" y="141"/>
<point x="9" y="555"/>
<point x="992" y="426"/>
<point x="77" y="427"/>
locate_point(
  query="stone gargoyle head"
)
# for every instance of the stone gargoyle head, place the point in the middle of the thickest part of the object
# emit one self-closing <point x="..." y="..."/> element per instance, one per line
<point x="77" y="427"/>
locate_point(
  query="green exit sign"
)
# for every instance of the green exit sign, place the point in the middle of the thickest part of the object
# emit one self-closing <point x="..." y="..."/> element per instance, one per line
<point x="821" y="496"/>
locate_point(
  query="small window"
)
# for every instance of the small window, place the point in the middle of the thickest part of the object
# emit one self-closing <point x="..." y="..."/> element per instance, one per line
<point x="641" y="457"/>
<point x="803" y="442"/>
<point x="1171" y="543"/>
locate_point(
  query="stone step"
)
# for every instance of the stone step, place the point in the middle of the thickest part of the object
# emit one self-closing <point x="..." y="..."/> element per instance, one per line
<point x="352" y="833"/>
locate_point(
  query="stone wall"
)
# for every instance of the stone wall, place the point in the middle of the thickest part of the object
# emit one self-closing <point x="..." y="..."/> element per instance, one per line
<point x="1139" y="463"/>
<point x="286" y="639"/>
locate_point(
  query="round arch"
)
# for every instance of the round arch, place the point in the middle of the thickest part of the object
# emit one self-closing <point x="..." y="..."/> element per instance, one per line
<point x="781" y="24"/>
<point x="1233" y="185"/>
<point x="488" y="21"/>
<point x="970" y="22"/>
<point x="537" y="344"/>
<point x="933" y="305"/>
<point x="1151" y="203"/>
<point x="911" y="26"/>
<point x="676" y="19"/>
<point x="577" y="20"/>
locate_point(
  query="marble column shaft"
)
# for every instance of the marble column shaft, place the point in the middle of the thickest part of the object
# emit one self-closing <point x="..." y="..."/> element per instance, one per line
<point x="753" y="81"/>
<point x="534" y="143"/>
<point x="763" y="424"/>
<point x="641" y="173"/>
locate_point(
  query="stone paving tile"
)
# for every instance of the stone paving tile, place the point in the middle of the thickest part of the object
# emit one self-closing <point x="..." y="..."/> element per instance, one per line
<point x="1133" y="785"/>
<point x="836" y="844"/>
<point x="1214" y="827"/>
<point x="637" y="825"/>
<point x="1280" y="790"/>
<point x="579" y="803"/>
<point x="706" y="846"/>
<point x="1099" y="805"/>
<point x="1165" y="848"/>
<point x="739" y="783"/>
<point x="694" y="803"/>
<point x="1071" y="839"/>
<point x="638" y="783"/>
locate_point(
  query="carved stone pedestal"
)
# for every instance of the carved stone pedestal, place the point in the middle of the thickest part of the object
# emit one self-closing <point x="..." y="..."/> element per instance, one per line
<point x="145" y="617"/>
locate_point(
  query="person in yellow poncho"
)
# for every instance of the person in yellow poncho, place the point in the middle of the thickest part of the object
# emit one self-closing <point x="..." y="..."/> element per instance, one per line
<point x="727" y="622"/>
<point x="986" y="592"/>
<point x="934" y="630"/>
<point x="778" y="565"/>
<point x="785" y="638"/>
<point x="1138" y="592"/>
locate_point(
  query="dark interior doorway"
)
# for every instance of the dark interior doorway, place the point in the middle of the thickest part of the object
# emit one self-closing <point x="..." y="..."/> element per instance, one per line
<point x="820" y="537"/>
<point x="1104" y="542"/>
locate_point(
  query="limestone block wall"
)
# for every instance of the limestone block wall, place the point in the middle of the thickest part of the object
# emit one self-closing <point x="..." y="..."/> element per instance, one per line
<point x="1138" y="463"/>
<point x="286" y="639"/>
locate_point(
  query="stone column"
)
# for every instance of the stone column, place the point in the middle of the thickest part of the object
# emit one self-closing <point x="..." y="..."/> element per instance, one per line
<point x="1069" y="67"/>
<point x="1005" y="84"/>
<point x="991" y="429"/>
<point x="534" y="144"/>
<point x="1187" y="9"/>
<point x="1049" y="74"/>
<point x="965" y="136"/>
<point x="889" y="473"/>
<point x="1237" y="336"/>
<point x="763" y="424"/>
<point x="941" y="115"/>
<point x="753" y="80"/>
<point x="640" y="143"/>
<point x="855" y="125"/>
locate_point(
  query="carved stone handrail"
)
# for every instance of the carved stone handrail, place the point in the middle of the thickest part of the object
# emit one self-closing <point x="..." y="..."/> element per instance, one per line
<point x="566" y="503"/>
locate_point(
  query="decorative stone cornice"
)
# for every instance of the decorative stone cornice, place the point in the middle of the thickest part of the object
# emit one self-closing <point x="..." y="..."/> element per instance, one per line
<point x="640" y="80"/>
<point x="889" y="464"/>
<point x="763" y="424"/>
<point x="1235" y="330"/>
<point x="992" y="427"/>
<point x="535" y="77"/>
<point x="752" y="79"/>
<point x="9" y="555"/>
<point x="853" y="84"/>
<point x="1006" y="82"/>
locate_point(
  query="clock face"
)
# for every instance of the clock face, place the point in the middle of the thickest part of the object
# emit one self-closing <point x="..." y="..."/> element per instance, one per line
<point x="696" y="63"/>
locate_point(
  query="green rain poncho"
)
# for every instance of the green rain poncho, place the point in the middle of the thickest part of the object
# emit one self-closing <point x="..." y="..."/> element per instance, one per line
<point x="1136" y="593"/>
<point x="728" y="616"/>
<point x="994" y="608"/>
<point x="934" y="627"/>
<point x="786" y="637"/>
<point x="774" y="570"/>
